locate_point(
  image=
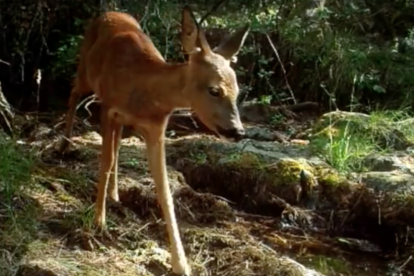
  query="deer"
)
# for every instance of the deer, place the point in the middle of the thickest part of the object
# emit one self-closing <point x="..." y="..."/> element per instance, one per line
<point x="136" y="87"/>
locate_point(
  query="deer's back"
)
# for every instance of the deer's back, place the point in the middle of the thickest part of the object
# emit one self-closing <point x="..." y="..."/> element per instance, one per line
<point x="116" y="52"/>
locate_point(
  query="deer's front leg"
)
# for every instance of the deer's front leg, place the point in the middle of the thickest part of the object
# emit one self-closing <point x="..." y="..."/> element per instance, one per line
<point x="107" y="162"/>
<point x="154" y="138"/>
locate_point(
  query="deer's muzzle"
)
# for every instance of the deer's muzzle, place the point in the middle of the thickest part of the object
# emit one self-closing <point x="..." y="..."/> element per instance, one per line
<point x="234" y="133"/>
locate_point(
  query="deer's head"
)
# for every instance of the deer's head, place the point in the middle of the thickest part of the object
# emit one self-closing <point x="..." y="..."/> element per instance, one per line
<point x="211" y="85"/>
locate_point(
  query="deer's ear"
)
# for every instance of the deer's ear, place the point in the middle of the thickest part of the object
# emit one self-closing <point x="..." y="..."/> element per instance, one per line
<point x="192" y="37"/>
<point x="231" y="46"/>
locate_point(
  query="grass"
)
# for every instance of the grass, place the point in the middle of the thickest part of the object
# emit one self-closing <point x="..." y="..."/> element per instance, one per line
<point x="18" y="223"/>
<point x="345" y="152"/>
<point x="400" y="120"/>
<point x="346" y="141"/>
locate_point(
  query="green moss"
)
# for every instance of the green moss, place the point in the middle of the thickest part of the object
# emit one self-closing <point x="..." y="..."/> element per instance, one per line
<point x="197" y="150"/>
<point x="330" y="177"/>
<point x="331" y="181"/>
<point x="200" y="157"/>
<point x="287" y="171"/>
<point x="242" y="160"/>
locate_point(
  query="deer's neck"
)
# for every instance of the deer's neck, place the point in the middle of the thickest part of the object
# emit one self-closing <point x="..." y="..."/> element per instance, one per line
<point x="165" y="86"/>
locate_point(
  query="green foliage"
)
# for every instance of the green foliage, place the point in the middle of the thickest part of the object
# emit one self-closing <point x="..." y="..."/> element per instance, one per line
<point x="66" y="56"/>
<point x="339" y="59"/>
<point x="327" y="48"/>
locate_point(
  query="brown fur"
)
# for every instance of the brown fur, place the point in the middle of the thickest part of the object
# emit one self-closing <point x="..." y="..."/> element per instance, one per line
<point x="136" y="87"/>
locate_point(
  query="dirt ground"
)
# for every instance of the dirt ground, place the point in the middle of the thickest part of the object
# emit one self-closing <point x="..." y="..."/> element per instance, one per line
<point x="53" y="234"/>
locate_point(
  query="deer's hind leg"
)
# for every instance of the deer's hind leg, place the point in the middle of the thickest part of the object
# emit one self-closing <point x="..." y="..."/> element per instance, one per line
<point x="79" y="89"/>
<point x="113" y="180"/>
<point x="110" y="130"/>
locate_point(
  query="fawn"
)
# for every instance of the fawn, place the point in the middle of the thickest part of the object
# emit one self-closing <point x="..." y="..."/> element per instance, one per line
<point x="138" y="88"/>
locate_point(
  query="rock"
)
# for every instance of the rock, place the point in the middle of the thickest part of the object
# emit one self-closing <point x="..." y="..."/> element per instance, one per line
<point x="384" y="162"/>
<point x="264" y="134"/>
<point x="390" y="172"/>
<point x="396" y="182"/>
<point x="267" y="178"/>
<point x="260" y="176"/>
<point x="290" y="267"/>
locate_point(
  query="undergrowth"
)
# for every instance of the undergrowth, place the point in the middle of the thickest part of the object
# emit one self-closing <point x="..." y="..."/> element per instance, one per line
<point x="322" y="46"/>
<point x="345" y="142"/>
<point x="18" y="214"/>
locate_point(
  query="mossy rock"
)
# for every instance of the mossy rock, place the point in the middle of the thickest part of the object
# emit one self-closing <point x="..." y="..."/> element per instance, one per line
<point x="250" y="173"/>
<point x="266" y="177"/>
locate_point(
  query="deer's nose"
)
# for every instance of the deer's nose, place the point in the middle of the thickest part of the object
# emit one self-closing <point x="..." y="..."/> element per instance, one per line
<point x="238" y="134"/>
<point x="233" y="133"/>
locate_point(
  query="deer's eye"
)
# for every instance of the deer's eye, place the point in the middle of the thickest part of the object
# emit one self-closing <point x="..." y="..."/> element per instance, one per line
<point x="214" y="91"/>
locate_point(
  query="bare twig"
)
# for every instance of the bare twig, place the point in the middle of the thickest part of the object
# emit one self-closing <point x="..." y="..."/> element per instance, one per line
<point x="93" y="99"/>
<point x="283" y="68"/>
<point x="38" y="78"/>
<point x="2" y="61"/>
<point x="406" y="262"/>
<point x="6" y="111"/>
